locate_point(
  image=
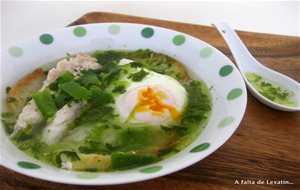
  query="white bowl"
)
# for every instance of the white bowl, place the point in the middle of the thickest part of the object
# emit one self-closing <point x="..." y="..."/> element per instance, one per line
<point x="229" y="95"/>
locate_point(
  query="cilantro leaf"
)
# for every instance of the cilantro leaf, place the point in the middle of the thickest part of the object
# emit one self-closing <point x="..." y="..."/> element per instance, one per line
<point x="139" y="76"/>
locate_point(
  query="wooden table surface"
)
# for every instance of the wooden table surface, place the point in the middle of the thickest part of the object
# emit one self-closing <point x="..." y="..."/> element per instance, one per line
<point x="266" y="146"/>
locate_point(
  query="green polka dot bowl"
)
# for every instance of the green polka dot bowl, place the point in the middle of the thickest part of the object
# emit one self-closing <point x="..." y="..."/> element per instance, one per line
<point x="203" y="61"/>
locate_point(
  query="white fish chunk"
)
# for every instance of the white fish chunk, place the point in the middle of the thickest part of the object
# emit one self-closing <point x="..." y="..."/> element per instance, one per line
<point x="63" y="117"/>
<point x="74" y="65"/>
<point x="30" y="114"/>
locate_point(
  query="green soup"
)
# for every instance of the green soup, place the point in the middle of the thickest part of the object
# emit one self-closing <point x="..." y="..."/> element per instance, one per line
<point x="96" y="139"/>
<point x="271" y="91"/>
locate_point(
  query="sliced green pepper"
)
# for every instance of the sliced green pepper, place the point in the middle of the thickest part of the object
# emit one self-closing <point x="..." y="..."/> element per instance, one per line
<point x="89" y="79"/>
<point x="99" y="97"/>
<point x="61" y="99"/>
<point x="75" y="90"/>
<point x="67" y="76"/>
<point x="45" y="103"/>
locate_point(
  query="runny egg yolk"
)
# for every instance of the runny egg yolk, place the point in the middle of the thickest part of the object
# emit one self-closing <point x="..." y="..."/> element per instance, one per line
<point x="150" y="100"/>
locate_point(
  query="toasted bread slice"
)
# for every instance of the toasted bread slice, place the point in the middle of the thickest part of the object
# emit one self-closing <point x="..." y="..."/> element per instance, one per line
<point x="19" y="94"/>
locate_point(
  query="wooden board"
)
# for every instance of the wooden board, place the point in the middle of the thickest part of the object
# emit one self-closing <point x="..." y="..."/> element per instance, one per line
<point x="266" y="146"/>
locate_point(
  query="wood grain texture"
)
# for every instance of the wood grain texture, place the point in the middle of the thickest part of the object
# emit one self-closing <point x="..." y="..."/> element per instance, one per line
<point x="266" y="146"/>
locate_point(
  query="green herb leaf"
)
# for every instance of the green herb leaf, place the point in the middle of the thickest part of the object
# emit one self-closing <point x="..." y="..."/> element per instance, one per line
<point x="112" y="75"/>
<point x="119" y="89"/>
<point x="135" y="64"/>
<point x="135" y="135"/>
<point x="8" y="121"/>
<point x="265" y="84"/>
<point x="116" y="127"/>
<point x="139" y="76"/>
<point x="95" y="114"/>
<point x="37" y="148"/>
<point x="108" y="57"/>
<point x="165" y="128"/>
<point x="7" y="114"/>
<point x="70" y="155"/>
<point x="23" y="136"/>
<point x="7" y="89"/>
<point x="180" y="130"/>
<point x="198" y="107"/>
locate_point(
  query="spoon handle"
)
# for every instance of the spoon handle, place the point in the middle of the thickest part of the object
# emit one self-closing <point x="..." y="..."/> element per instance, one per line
<point x="236" y="46"/>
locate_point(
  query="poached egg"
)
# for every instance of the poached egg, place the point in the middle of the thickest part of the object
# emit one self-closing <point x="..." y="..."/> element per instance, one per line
<point x="156" y="100"/>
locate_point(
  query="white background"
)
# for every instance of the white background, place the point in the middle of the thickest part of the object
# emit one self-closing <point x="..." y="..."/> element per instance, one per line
<point x="21" y="19"/>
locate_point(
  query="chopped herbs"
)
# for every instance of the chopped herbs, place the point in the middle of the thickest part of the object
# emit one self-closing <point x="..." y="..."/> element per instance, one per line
<point x="116" y="127"/>
<point x="6" y="114"/>
<point x="135" y="64"/>
<point x="23" y="136"/>
<point x="119" y="89"/>
<point x="7" y="89"/>
<point x="109" y="75"/>
<point x="179" y="129"/>
<point x="94" y="115"/>
<point x="108" y="57"/>
<point x="139" y="76"/>
<point x="8" y="121"/>
<point x="64" y="156"/>
<point x="271" y="91"/>
<point x="199" y="105"/>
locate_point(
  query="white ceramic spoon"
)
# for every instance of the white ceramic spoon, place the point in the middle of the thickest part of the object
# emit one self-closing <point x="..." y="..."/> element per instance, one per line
<point x="248" y="64"/>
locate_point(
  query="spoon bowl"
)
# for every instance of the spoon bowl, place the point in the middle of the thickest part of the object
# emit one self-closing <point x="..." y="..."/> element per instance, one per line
<point x="246" y="63"/>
